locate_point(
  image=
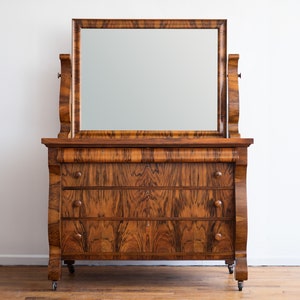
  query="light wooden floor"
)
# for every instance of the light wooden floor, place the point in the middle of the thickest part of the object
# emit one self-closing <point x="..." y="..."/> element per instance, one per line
<point x="144" y="283"/>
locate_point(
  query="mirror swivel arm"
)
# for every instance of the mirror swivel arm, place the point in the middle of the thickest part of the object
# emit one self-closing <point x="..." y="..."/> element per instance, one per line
<point x="65" y="96"/>
<point x="233" y="95"/>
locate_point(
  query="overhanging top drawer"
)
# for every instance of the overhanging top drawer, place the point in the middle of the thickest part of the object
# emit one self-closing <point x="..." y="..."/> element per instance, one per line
<point x="168" y="175"/>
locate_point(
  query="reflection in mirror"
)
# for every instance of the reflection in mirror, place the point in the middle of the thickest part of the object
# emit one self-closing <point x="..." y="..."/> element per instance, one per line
<point x="145" y="79"/>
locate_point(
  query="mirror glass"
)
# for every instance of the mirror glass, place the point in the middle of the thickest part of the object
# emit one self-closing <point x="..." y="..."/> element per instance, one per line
<point x="164" y="79"/>
<point x="128" y="76"/>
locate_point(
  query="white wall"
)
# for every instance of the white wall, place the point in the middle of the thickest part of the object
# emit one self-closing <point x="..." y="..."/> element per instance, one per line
<point x="266" y="35"/>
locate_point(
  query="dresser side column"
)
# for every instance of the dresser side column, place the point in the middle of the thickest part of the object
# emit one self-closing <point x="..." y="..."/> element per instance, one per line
<point x="54" y="222"/>
<point x="241" y="230"/>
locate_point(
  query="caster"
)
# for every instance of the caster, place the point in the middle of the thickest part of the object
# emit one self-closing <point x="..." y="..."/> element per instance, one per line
<point x="230" y="268"/>
<point x="240" y="285"/>
<point x="54" y="285"/>
<point x="71" y="269"/>
<point x="70" y="265"/>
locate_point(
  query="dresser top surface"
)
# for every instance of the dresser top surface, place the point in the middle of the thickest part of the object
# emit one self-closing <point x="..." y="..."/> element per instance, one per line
<point x="147" y="142"/>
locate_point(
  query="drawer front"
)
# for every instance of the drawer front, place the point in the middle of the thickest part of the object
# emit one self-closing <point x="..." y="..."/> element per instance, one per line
<point x="138" y="237"/>
<point x="147" y="203"/>
<point x="148" y="175"/>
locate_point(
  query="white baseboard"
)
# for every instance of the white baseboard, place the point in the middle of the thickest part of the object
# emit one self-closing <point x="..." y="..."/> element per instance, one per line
<point x="42" y="260"/>
<point x="274" y="261"/>
<point x="23" y="259"/>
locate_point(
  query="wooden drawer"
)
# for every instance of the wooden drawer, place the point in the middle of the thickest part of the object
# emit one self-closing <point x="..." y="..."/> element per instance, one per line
<point x="147" y="203"/>
<point x="141" y="237"/>
<point x="148" y="175"/>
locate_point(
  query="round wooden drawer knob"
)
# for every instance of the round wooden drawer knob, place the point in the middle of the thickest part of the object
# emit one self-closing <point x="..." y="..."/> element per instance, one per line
<point x="218" y="203"/>
<point x="78" y="236"/>
<point x="218" y="237"/>
<point x="77" y="174"/>
<point x="218" y="174"/>
<point x="77" y="203"/>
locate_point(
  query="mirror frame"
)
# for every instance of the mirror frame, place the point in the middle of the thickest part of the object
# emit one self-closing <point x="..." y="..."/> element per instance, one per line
<point x="220" y="25"/>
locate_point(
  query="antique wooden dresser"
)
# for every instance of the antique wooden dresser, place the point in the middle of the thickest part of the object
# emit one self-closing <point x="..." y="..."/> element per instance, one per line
<point x="147" y="194"/>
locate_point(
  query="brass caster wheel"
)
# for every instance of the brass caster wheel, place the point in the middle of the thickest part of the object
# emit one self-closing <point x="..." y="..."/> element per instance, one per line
<point x="240" y="285"/>
<point x="54" y="285"/>
<point x="230" y="268"/>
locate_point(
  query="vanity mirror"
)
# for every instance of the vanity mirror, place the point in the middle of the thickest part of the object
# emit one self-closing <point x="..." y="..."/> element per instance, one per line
<point x="149" y="75"/>
<point x="148" y="163"/>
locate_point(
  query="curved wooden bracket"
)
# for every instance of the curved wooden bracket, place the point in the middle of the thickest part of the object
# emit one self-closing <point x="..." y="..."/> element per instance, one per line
<point x="233" y="96"/>
<point x="65" y="96"/>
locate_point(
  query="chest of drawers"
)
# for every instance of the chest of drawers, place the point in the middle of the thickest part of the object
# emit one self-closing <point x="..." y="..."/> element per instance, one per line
<point x="147" y="202"/>
<point x="147" y="210"/>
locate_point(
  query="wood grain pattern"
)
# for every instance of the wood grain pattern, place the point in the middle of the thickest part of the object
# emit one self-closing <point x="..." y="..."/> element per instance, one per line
<point x="147" y="239"/>
<point x="111" y="209"/>
<point x="241" y="230"/>
<point x="219" y="25"/>
<point x="134" y="203"/>
<point x="132" y="155"/>
<point x="233" y="96"/>
<point x="148" y="175"/>
<point x="149" y="283"/>
<point x="148" y="210"/>
<point x="54" y="266"/>
<point x="141" y="142"/>
<point x="65" y="96"/>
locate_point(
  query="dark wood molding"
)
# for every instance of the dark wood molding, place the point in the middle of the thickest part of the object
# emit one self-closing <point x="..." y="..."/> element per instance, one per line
<point x="233" y="96"/>
<point x="220" y="25"/>
<point x="65" y="96"/>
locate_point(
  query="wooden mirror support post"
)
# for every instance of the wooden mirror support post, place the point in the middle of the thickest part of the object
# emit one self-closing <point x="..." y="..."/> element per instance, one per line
<point x="147" y="197"/>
